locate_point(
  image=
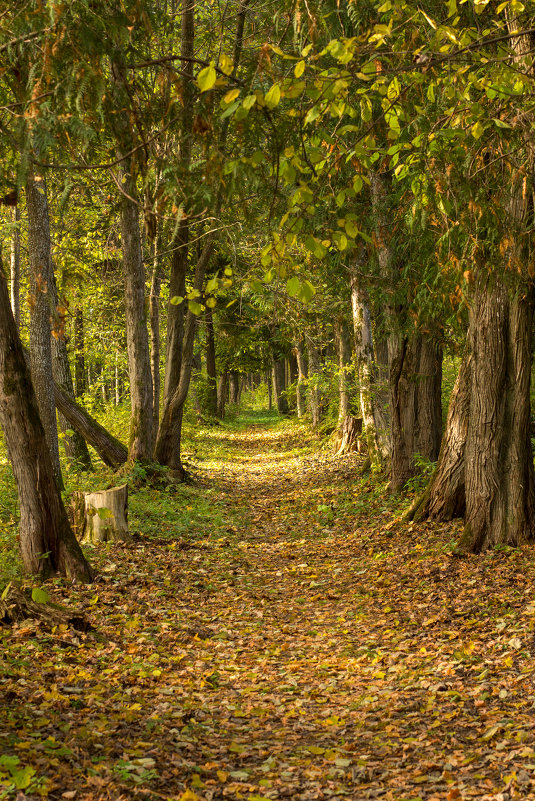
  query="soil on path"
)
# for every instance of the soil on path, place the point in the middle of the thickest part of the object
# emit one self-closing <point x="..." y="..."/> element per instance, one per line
<point x="312" y="650"/>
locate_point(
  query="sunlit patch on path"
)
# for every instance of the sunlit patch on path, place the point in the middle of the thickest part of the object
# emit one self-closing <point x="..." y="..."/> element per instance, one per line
<point x="312" y="649"/>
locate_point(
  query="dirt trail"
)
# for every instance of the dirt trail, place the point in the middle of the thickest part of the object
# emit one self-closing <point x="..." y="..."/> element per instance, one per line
<point x="300" y="656"/>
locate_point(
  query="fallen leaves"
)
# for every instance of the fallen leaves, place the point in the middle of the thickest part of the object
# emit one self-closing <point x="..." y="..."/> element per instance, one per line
<point x="279" y="658"/>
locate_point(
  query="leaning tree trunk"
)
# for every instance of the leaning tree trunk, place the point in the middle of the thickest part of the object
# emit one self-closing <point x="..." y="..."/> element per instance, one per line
<point x="415" y="385"/>
<point x="74" y="444"/>
<point x="112" y="452"/>
<point x="41" y="311"/>
<point x="47" y="542"/>
<point x="444" y="498"/>
<point x="500" y="481"/>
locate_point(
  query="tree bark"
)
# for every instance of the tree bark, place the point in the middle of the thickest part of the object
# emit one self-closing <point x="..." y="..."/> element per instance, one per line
<point x="415" y="385"/>
<point x="374" y="411"/>
<point x="47" y="542"/>
<point x="301" y="378"/>
<point x="74" y="444"/>
<point x="315" y="399"/>
<point x="41" y="312"/>
<point x="137" y="341"/>
<point x="343" y="348"/>
<point x="80" y="376"/>
<point x="106" y="515"/>
<point x="222" y="394"/>
<point x="15" y="267"/>
<point x="211" y="370"/>
<point x="444" y="498"/>
<point x="112" y="452"/>
<point x="500" y="482"/>
<point x="155" y="339"/>
<point x="279" y="385"/>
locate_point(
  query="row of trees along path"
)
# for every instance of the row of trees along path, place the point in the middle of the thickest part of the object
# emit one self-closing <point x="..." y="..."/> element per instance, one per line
<point x="366" y="167"/>
<point x="297" y="644"/>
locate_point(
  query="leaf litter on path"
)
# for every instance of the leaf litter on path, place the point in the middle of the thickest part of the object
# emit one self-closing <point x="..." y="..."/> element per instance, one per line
<point x="308" y="648"/>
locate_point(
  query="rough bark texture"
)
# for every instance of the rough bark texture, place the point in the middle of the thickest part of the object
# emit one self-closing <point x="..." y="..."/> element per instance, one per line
<point x="315" y="400"/>
<point x="140" y="445"/>
<point x="137" y="340"/>
<point x="234" y="387"/>
<point x="374" y="412"/>
<point x="301" y="378"/>
<point x="47" y="542"/>
<point x="154" y="307"/>
<point x="211" y="371"/>
<point x="415" y="385"/>
<point x="106" y="515"/>
<point x="80" y="376"/>
<point x="222" y="385"/>
<point x="343" y="352"/>
<point x="279" y="385"/>
<point x="445" y="498"/>
<point x="500" y="485"/>
<point x="347" y="437"/>
<point x="41" y="312"/>
<point x="15" y="267"/>
<point x="111" y="451"/>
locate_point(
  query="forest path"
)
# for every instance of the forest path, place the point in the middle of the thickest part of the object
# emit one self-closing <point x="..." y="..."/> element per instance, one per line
<point x="310" y="649"/>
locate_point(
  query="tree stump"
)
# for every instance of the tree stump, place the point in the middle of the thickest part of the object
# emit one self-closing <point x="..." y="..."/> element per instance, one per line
<point x="106" y="515"/>
<point x="348" y="436"/>
<point x="18" y="604"/>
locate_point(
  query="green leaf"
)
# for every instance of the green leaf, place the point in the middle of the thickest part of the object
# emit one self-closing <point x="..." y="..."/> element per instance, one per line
<point x="206" y="78"/>
<point x="194" y="307"/>
<point x="212" y="285"/>
<point x="5" y="591"/>
<point x="211" y="303"/>
<point x="307" y="292"/>
<point x="40" y="596"/>
<point x="293" y="286"/>
<point x="273" y="96"/>
<point x="176" y="300"/>
<point x="249" y="101"/>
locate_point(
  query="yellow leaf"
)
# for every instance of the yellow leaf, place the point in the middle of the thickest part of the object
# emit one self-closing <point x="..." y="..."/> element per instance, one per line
<point x="299" y="69"/>
<point x="189" y="795"/>
<point x="230" y="96"/>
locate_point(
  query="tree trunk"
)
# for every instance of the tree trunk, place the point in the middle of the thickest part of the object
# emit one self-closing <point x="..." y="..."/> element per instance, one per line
<point x="15" y="267"/>
<point x="234" y="387"/>
<point x="41" y="311"/>
<point x="343" y="348"/>
<point x="47" y="542"/>
<point x="74" y="444"/>
<point x="500" y="486"/>
<point x="444" y="498"/>
<point x="155" y="339"/>
<point x="269" y="382"/>
<point x="211" y="371"/>
<point x="222" y="394"/>
<point x="111" y="451"/>
<point x="137" y="340"/>
<point x="301" y="378"/>
<point x="415" y="385"/>
<point x="279" y="385"/>
<point x="80" y="376"/>
<point x="375" y="419"/>
<point x="315" y="400"/>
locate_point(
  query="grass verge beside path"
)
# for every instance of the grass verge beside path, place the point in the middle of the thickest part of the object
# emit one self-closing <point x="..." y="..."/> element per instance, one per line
<point x="275" y="634"/>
